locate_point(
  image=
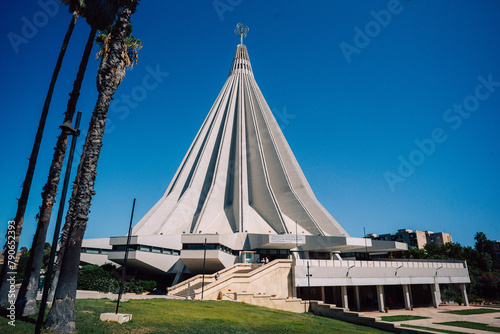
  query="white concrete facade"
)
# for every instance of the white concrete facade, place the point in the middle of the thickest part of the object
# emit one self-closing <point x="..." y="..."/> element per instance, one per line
<point x="239" y="196"/>
<point x="239" y="174"/>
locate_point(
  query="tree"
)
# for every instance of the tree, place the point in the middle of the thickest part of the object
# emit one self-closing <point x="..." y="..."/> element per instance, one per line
<point x="102" y="40"/>
<point x="23" y="200"/>
<point x="111" y="71"/>
<point x="486" y="249"/>
<point x="21" y="264"/>
<point x="26" y="299"/>
<point x="46" y="255"/>
<point x="98" y="17"/>
<point x="481" y="242"/>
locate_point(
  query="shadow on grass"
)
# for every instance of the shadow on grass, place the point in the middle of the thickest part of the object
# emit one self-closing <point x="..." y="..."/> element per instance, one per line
<point x="5" y="313"/>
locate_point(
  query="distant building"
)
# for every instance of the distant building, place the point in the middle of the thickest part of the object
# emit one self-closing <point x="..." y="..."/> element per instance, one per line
<point x="416" y="239"/>
<point x="496" y="248"/>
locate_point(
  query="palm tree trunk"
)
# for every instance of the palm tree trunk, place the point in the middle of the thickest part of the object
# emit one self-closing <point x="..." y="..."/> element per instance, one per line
<point x="111" y="71"/>
<point x="23" y="200"/>
<point x="26" y="298"/>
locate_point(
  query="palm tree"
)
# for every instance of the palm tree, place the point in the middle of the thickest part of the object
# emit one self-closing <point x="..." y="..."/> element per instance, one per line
<point x="26" y="298"/>
<point x="115" y="59"/>
<point x="23" y="200"/>
<point x="99" y="15"/>
<point x="102" y="40"/>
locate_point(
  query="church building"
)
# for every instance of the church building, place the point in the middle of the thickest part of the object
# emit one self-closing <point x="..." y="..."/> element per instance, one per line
<point x="240" y="217"/>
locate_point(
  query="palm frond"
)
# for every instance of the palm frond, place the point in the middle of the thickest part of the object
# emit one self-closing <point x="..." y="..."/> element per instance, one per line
<point x="132" y="46"/>
<point x="75" y="6"/>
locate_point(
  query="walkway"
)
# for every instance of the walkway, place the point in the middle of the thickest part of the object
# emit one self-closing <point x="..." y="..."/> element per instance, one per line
<point x="83" y="294"/>
<point x="436" y="316"/>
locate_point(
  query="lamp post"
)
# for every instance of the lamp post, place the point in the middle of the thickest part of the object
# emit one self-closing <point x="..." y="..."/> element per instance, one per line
<point x="75" y="132"/>
<point x="203" y="277"/>
<point x="126" y="258"/>
<point x="308" y="284"/>
<point x="347" y="273"/>
<point x="396" y="273"/>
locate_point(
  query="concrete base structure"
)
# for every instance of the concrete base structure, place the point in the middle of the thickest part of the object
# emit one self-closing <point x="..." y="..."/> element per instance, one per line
<point x="371" y="285"/>
<point x="117" y="317"/>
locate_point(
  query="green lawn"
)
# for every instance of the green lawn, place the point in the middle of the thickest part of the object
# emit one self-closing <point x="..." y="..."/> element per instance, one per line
<point x="471" y="325"/>
<point x="473" y="311"/>
<point x="432" y="329"/>
<point x="180" y="316"/>
<point x="396" y="318"/>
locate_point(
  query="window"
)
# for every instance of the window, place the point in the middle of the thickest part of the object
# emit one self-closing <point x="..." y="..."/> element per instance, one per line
<point x="145" y="248"/>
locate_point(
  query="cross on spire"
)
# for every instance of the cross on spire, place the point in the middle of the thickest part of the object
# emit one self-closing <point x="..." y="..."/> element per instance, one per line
<point x="242" y="31"/>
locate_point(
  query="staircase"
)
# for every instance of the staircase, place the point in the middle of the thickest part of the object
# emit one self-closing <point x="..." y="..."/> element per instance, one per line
<point x="269" y="279"/>
<point x="188" y="287"/>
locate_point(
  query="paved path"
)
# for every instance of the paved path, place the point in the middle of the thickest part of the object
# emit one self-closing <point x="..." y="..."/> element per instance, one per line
<point x="436" y="316"/>
<point x="83" y="294"/>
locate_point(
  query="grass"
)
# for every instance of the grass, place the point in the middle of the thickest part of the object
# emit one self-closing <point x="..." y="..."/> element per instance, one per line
<point x="432" y="329"/>
<point x="471" y="325"/>
<point x="396" y="318"/>
<point x="472" y="311"/>
<point x="180" y="316"/>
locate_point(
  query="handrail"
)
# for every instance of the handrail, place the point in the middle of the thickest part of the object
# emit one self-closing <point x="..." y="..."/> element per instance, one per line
<point x="391" y="263"/>
<point x="236" y="275"/>
<point x="183" y="285"/>
<point x="198" y="278"/>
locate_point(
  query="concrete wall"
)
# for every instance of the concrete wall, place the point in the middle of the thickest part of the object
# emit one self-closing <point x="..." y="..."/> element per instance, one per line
<point x="273" y="279"/>
<point x="357" y="273"/>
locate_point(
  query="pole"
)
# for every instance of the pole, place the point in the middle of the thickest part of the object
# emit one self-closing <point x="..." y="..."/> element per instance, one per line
<point x="50" y="267"/>
<point x="126" y="257"/>
<point x="366" y="247"/>
<point x="203" y="277"/>
<point x="308" y="284"/>
<point x="296" y="236"/>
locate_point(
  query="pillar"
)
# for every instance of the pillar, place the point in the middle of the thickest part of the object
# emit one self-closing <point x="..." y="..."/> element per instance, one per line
<point x="358" y="301"/>
<point x="406" y="295"/>
<point x="345" y="300"/>
<point x="323" y="293"/>
<point x="436" y="295"/>
<point x="463" y="290"/>
<point x="380" y="297"/>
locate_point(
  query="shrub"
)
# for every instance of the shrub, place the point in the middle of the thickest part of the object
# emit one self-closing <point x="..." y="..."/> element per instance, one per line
<point x="488" y="285"/>
<point x="147" y="285"/>
<point x="448" y="295"/>
<point x="95" y="278"/>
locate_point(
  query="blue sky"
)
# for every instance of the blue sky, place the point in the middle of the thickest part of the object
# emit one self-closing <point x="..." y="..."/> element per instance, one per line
<point x="390" y="107"/>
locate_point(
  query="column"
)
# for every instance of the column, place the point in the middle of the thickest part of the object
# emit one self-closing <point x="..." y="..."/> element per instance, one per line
<point x="463" y="290"/>
<point x="323" y="293"/>
<point x="345" y="300"/>
<point x="406" y="295"/>
<point x="436" y="295"/>
<point x="380" y="297"/>
<point x="358" y="301"/>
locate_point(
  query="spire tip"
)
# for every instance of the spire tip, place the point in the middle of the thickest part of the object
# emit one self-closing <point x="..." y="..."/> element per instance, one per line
<point x="242" y="31"/>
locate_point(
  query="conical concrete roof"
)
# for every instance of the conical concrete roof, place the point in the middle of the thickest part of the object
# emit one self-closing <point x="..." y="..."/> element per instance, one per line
<point x="239" y="174"/>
